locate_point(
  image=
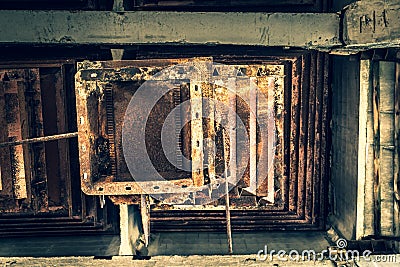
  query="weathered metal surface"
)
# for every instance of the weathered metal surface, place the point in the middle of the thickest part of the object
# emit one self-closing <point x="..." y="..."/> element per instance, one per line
<point x="39" y="139"/>
<point x="300" y="204"/>
<point x="13" y="91"/>
<point x="178" y="126"/>
<point x="110" y="128"/>
<point x="372" y="24"/>
<point x="227" y="200"/>
<point x="141" y="27"/>
<point x="69" y="211"/>
<point x="296" y="180"/>
<point x="196" y="122"/>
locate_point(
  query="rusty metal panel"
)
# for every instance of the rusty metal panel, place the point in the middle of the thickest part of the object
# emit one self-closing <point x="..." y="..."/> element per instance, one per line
<point x="291" y="193"/>
<point x="12" y="93"/>
<point x="209" y="130"/>
<point x="89" y="110"/>
<point x="196" y="123"/>
<point x="300" y="190"/>
<point x="48" y="206"/>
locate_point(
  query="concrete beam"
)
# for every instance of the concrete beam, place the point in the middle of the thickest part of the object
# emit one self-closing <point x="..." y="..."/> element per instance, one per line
<point x="146" y="27"/>
<point x="372" y="24"/>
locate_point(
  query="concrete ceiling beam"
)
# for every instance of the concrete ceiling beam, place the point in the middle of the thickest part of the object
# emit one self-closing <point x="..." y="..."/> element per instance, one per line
<point x="305" y="30"/>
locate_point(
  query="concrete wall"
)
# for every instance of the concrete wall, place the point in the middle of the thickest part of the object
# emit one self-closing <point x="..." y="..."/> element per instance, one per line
<point x="345" y="109"/>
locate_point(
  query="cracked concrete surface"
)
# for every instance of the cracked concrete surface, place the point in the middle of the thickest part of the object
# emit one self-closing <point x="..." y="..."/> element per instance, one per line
<point x="166" y="261"/>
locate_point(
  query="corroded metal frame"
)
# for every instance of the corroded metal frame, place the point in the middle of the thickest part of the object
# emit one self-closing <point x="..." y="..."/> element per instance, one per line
<point x="304" y="150"/>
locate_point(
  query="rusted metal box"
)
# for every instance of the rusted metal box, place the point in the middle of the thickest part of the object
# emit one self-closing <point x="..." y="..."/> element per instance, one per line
<point x="289" y="194"/>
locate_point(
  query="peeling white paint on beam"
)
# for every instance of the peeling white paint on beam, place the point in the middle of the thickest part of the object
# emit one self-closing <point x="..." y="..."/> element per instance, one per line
<point x="307" y="30"/>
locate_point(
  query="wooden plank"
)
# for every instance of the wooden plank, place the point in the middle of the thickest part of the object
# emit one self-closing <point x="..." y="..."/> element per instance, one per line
<point x="397" y="150"/>
<point x="13" y="118"/>
<point x="369" y="214"/>
<point x="362" y="147"/>
<point x="386" y="140"/>
<point x="376" y="124"/>
<point x="196" y="133"/>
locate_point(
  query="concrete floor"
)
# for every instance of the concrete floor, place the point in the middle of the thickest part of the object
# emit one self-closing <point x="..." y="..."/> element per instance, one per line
<point x="243" y="243"/>
<point x="170" y="249"/>
<point x="170" y="261"/>
<point x="164" y="261"/>
<point x="180" y="243"/>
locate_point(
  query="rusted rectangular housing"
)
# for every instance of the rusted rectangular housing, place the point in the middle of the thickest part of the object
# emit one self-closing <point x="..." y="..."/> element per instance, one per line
<point x="300" y="168"/>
